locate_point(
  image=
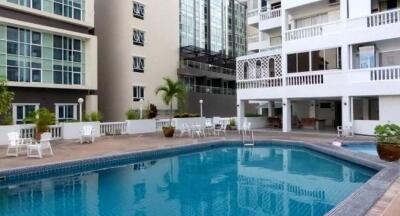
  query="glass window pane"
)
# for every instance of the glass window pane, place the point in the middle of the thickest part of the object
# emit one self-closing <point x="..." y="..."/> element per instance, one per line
<point x="12" y="74"/>
<point x="317" y="60"/>
<point x="331" y="59"/>
<point x="12" y="34"/>
<point x="36" y="75"/>
<point x="303" y="62"/>
<point x="292" y="63"/>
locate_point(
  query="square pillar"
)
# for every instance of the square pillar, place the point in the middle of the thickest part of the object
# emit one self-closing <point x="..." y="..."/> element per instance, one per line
<point x="271" y="109"/>
<point x="347" y="117"/>
<point x="312" y="109"/>
<point x="286" y="115"/>
<point x="241" y="110"/>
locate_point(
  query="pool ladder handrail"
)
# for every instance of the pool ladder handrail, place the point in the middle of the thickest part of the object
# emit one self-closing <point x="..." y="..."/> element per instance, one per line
<point x="245" y="142"/>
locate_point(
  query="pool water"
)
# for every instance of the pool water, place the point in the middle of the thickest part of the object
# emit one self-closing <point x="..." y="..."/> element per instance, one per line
<point x="222" y="181"/>
<point x="364" y="148"/>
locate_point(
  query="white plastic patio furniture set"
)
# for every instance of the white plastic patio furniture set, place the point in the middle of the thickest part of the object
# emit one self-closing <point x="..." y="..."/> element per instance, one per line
<point x="210" y="129"/>
<point x="32" y="149"/>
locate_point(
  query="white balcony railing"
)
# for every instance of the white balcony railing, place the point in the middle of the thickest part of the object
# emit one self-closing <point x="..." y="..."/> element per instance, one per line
<point x="260" y="83"/>
<point x="29" y="131"/>
<point x="305" y="79"/>
<point x="252" y="13"/>
<point x="384" y="18"/>
<point x="312" y="31"/>
<point x="253" y="39"/>
<point x="385" y="73"/>
<point x="270" y="14"/>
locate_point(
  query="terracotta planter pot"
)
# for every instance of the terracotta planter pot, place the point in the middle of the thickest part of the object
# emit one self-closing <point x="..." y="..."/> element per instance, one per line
<point x="388" y="152"/>
<point x="168" y="131"/>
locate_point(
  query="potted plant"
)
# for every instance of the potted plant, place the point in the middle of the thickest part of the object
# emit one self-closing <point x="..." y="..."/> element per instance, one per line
<point x="232" y="124"/>
<point x="42" y="118"/>
<point x="388" y="137"/>
<point x="169" y="91"/>
<point x="132" y="115"/>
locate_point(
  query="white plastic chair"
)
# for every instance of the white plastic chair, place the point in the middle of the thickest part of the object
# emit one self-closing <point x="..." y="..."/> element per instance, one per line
<point x="186" y="130"/>
<point x="246" y="127"/>
<point x="37" y="150"/>
<point x="220" y="129"/>
<point x="15" y="144"/>
<point x="87" y="133"/>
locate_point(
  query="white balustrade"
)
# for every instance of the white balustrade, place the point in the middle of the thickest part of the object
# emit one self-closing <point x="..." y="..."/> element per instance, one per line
<point x="313" y="31"/>
<point x="270" y="14"/>
<point x="29" y="131"/>
<point x="253" y="39"/>
<point x="306" y="79"/>
<point x="385" y="73"/>
<point x="260" y="83"/>
<point x="160" y="123"/>
<point x="384" y="18"/>
<point x="251" y="13"/>
<point x="113" y="128"/>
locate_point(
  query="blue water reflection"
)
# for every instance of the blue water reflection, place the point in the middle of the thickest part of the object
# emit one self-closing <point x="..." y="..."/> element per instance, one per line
<point x="224" y="181"/>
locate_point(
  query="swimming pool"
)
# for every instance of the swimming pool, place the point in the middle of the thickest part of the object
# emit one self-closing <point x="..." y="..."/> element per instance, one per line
<point x="368" y="148"/>
<point x="266" y="180"/>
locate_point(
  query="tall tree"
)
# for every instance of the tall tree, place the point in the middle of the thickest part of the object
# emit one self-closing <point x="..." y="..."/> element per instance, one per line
<point x="6" y="98"/>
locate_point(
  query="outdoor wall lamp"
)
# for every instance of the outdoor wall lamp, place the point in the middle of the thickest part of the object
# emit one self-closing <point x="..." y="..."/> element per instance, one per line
<point x="80" y="102"/>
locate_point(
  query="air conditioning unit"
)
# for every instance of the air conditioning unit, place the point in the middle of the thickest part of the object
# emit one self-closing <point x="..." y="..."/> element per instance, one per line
<point x="333" y="2"/>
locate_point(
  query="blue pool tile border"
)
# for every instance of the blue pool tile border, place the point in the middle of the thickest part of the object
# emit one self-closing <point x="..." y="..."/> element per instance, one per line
<point x="358" y="203"/>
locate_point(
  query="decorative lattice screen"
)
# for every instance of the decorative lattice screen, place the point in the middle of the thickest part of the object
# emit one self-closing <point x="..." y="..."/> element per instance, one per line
<point x="254" y="72"/>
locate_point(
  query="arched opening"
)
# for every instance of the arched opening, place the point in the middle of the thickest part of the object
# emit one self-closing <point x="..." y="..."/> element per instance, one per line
<point x="245" y="71"/>
<point x="271" y="67"/>
<point x="258" y="69"/>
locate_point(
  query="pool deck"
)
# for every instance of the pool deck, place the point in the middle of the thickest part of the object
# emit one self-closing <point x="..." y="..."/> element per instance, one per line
<point x="70" y="150"/>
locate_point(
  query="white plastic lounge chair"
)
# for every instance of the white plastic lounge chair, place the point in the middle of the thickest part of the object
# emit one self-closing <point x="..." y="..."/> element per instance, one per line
<point x="15" y="144"/>
<point x="186" y="130"/>
<point x="209" y="127"/>
<point x="87" y="133"/>
<point x="343" y="131"/>
<point x="221" y="128"/>
<point x="37" y="150"/>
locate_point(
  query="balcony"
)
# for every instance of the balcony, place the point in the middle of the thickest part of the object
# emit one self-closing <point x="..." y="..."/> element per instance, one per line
<point x="210" y="90"/>
<point x="313" y="31"/>
<point x="253" y="42"/>
<point x="270" y="19"/>
<point x="253" y="17"/>
<point x="198" y="69"/>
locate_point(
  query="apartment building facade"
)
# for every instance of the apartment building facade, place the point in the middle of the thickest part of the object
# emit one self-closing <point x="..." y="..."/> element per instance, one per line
<point x="48" y="55"/>
<point x="212" y="34"/>
<point x="138" y="47"/>
<point x="319" y="64"/>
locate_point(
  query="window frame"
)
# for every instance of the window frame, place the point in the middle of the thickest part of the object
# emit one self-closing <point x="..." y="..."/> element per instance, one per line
<point x="141" y="37"/>
<point x="16" y="120"/>
<point x="64" y="118"/>
<point x="140" y="6"/>
<point x="139" y="93"/>
<point x="139" y="69"/>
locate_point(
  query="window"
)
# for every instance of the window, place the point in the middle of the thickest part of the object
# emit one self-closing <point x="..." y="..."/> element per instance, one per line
<point x="66" y="112"/>
<point x="366" y="108"/>
<point x="67" y="68"/>
<point x="138" y="37"/>
<point x="69" y="8"/>
<point x="35" y="4"/>
<point x="271" y="67"/>
<point x="22" y="111"/>
<point x="24" y="52"/>
<point x="328" y="59"/>
<point x="298" y="62"/>
<point x="138" y="10"/>
<point x="138" y="64"/>
<point x="138" y="93"/>
<point x="312" y="20"/>
<point x="258" y="69"/>
<point x="246" y="71"/>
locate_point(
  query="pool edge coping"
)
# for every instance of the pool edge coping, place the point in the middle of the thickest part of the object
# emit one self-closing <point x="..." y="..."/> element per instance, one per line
<point x="357" y="203"/>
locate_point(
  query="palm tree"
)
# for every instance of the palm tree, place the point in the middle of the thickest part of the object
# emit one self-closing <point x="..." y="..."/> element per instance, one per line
<point x="170" y="90"/>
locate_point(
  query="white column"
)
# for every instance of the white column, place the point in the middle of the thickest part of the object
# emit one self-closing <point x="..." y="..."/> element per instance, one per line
<point x="241" y="110"/>
<point x="286" y="115"/>
<point x="271" y="109"/>
<point x="346" y="111"/>
<point x="343" y="9"/>
<point x="345" y="58"/>
<point x="313" y="109"/>
<point x="365" y="109"/>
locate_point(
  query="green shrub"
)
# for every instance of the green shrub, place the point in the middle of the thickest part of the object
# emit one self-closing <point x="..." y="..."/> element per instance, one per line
<point x="187" y="115"/>
<point x="132" y="114"/>
<point x="42" y="118"/>
<point x="232" y="122"/>
<point x="7" y="120"/>
<point x="388" y="133"/>
<point x="252" y="115"/>
<point x="93" y="117"/>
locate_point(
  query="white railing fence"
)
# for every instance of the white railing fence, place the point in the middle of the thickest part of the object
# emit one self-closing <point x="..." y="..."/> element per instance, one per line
<point x="252" y="13"/>
<point x="385" y="73"/>
<point x="306" y="32"/>
<point x="383" y="18"/>
<point x="113" y="128"/>
<point x="253" y="39"/>
<point x="160" y="123"/>
<point x="270" y="14"/>
<point x="29" y="131"/>
<point x="307" y="79"/>
<point x="260" y="83"/>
